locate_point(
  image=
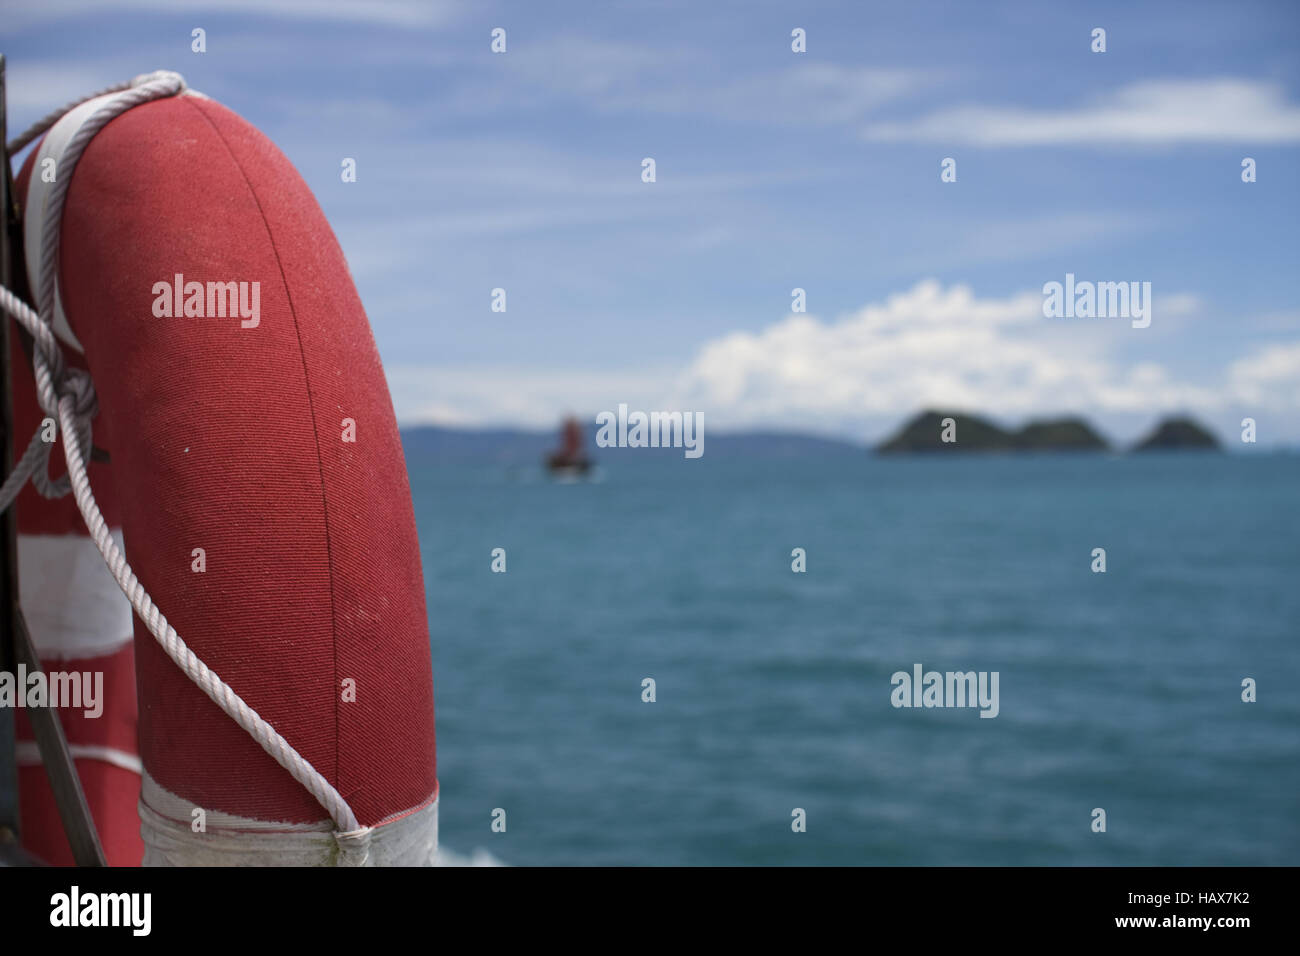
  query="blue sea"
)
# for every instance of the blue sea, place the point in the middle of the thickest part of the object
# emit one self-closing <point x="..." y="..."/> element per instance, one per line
<point x="1119" y="690"/>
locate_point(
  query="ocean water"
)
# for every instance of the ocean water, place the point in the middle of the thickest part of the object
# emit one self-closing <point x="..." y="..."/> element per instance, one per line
<point x="1119" y="690"/>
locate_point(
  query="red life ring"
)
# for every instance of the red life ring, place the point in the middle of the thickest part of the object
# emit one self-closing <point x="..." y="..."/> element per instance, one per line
<point x="257" y="475"/>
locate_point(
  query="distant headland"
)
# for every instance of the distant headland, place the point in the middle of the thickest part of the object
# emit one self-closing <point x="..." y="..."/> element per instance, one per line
<point x="922" y="434"/>
<point x="950" y="431"/>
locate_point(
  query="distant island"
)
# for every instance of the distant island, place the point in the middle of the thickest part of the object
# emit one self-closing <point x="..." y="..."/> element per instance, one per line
<point x="1174" y="434"/>
<point x="519" y="447"/>
<point x="972" y="433"/>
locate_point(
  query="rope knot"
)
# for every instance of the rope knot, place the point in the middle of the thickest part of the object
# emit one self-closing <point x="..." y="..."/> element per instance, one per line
<point x="77" y="385"/>
<point x="170" y="77"/>
<point x="354" y="846"/>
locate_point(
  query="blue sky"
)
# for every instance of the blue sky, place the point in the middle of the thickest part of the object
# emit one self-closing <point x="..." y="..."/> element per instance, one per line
<point x="775" y="170"/>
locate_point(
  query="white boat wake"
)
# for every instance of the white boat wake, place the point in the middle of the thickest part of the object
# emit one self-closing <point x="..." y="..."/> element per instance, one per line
<point x="479" y="857"/>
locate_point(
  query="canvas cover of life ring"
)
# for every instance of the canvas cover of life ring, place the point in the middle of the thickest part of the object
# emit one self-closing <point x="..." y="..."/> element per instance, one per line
<point x="257" y="473"/>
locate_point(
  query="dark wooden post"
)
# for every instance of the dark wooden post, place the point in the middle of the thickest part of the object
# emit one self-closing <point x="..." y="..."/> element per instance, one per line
<point x="8" y="552"/>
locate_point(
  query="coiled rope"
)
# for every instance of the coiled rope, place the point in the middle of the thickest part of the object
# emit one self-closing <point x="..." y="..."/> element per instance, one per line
<point x="67" y="395"/>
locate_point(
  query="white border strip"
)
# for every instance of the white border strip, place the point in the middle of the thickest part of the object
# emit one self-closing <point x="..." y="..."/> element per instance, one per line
<point x="28" y="754"/>
<point x="167" y="821"/>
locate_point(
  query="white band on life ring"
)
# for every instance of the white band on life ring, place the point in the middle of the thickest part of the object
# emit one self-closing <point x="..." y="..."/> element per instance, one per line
<point x="167" y="826"/>
<point x="28" y="754"/>
<point x="74" y="608"/>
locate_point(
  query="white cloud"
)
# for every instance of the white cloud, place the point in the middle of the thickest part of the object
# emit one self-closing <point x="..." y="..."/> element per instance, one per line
<point x="509" y="395"/>
<point x="932" y="346"/>
<point x="36" y="87"/>
<point x="1150" y="112"/>
<point x="396" y="13"/>
<point x="862" y="374"/>
<point x="817" y="93"/>
<point x="616" y="76"/>
<point x="1269" y="377"/>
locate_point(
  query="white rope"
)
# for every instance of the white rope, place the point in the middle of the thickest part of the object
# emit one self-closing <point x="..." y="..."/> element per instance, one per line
<point x="68" y="395"/>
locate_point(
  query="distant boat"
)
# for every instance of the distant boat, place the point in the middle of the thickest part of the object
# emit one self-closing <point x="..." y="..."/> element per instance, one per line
<point x="569" y="460"/>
